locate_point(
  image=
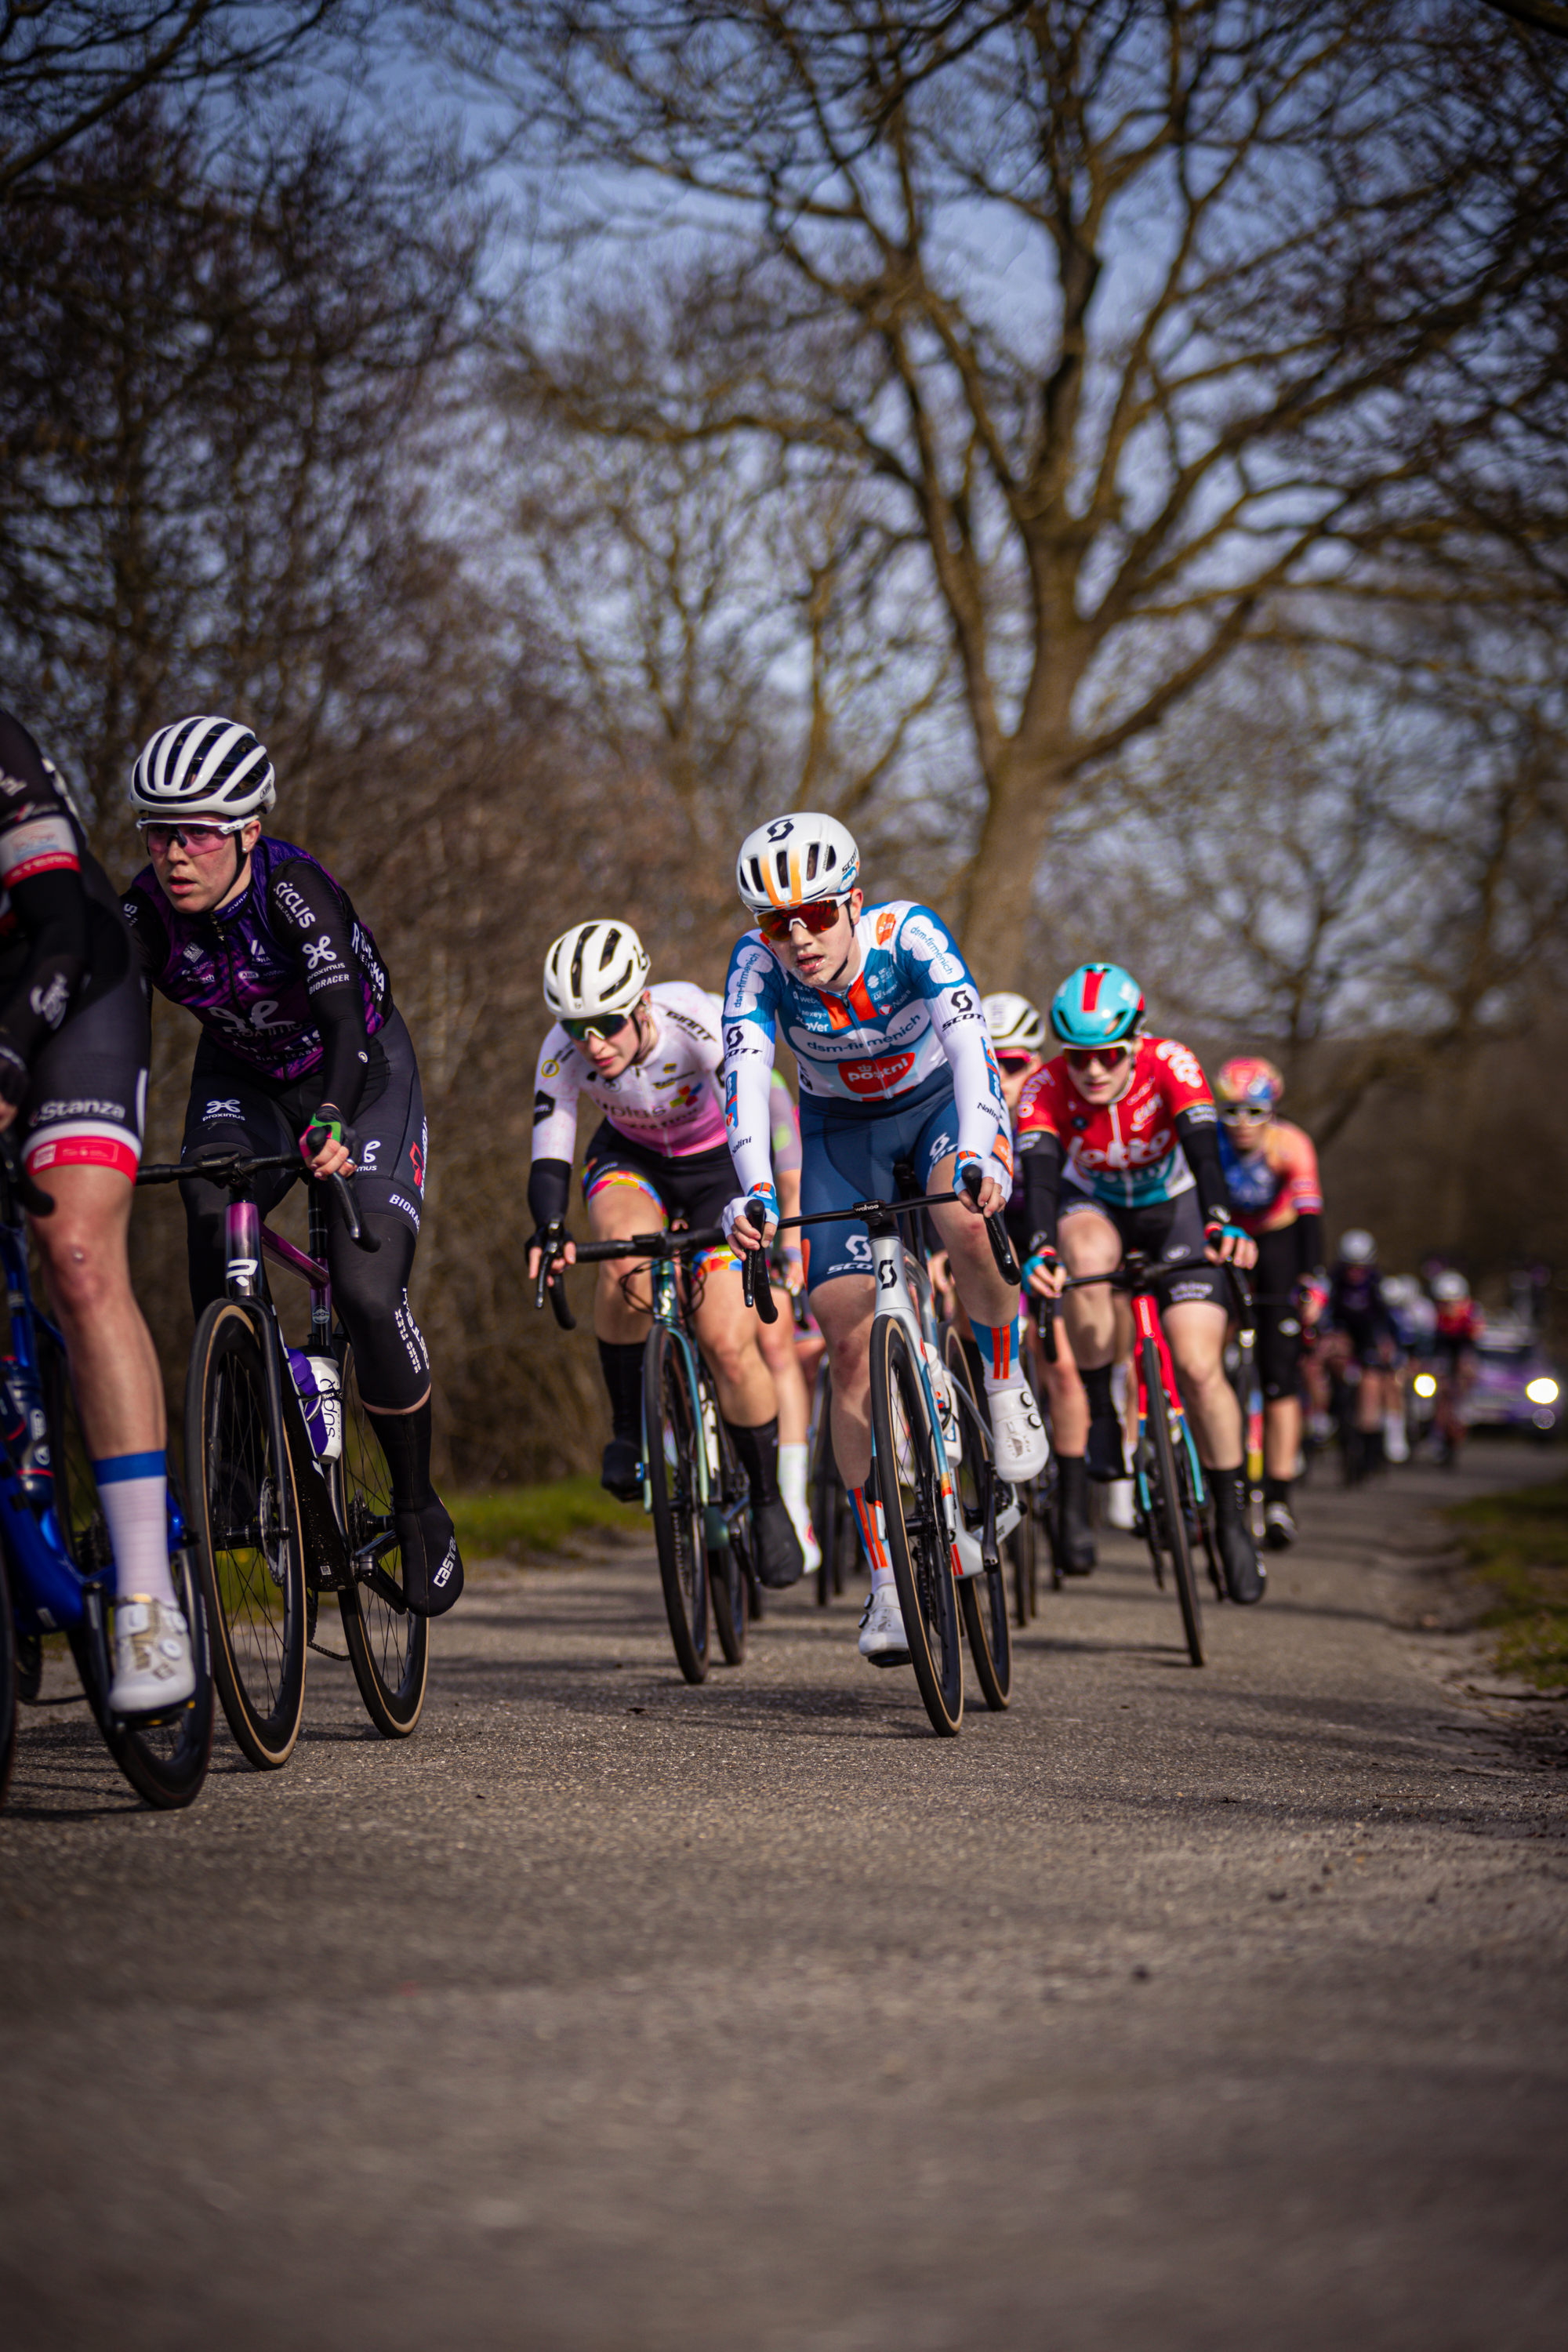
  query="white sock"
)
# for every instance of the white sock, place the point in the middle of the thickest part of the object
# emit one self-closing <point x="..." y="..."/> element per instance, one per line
<point x="873" y="1530"/>
<point x="132" y="1487"/>
<point x="792" y="1484"/>
<point x="1000" y="1353"/>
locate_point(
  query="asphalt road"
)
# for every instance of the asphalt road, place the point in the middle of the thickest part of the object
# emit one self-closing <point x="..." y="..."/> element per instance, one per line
<point x="1170" y="2010"/>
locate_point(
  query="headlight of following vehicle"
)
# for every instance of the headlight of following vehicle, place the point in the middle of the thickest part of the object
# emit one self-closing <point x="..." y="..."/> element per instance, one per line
<point x="1426" y="1386"/>
<point x="1541" y="1391"/>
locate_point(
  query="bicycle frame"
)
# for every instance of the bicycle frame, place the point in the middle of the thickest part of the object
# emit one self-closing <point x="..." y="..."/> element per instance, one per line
<point x="1146" y="1325"/>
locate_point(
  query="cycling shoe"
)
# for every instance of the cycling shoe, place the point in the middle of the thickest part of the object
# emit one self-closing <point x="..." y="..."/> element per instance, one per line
<point x="153" y="1669"/>
<point x="1279" y="1527"/>
<point x="622" y="1472"/>
<point x="882" y="1636"/>
<point x="431" y="1564"/>
<point x="780" y="1559"/>
<point x="1017" y="1434"/>
<point x="1244" y="1574"/>
<point x="1103" y="1452"/>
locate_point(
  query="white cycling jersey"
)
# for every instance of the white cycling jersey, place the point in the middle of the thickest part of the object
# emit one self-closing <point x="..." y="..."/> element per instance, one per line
<point x="670" y="1101"/>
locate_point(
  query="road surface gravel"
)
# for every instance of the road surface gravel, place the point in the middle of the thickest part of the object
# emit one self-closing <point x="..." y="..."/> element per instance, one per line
<point x="1170" y="2010"/>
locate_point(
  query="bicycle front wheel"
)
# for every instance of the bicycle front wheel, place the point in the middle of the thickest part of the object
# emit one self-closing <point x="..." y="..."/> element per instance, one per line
<point x="389" y="1647"/>
<point x="731" y="1568"/>
<point x="1170" y="1503"/>
<point x="672" y="1441"/>
<point x="910" y="1490"/>
<point x="242" y="1500"/>
<point x="982" y="1599"/>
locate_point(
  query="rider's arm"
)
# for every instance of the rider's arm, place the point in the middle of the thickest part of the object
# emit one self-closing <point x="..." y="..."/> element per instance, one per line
<point x="928" y="954"/>
<point x="51" y="912"/>
<point x="1310" y="1242"/>
<point x="1040" y="1163"/>
<point x="555" y="1079"/>
<point x="749" y="1035"/>
<point x="1197" y="1131"/>
<point x="306" y="914"/>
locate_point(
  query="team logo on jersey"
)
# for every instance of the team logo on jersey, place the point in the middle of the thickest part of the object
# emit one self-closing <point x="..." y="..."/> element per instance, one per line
<point x="544" y="1105"/>
<point x="877" y="1078"/>
<point x="887" y="924"/>
<point x="417" y="1161"/>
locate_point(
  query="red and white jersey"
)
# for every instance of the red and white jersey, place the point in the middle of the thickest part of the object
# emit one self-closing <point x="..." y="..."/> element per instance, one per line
<point x="670" y="1101"/>
<point x="1272" y="1187"/>
<point x="1123" y="1152"/>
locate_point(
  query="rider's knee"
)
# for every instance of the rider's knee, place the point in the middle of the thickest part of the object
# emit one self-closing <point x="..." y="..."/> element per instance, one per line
<point x="86" y="1273"/>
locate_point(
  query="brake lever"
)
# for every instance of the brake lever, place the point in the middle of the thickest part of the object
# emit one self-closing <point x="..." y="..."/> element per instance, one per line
<point x="996" y="1233"/>
<point x="756" y="1284"/>
<point x="1045" y="1325"/>
<point x="552" y="1248"/>
<point x="348" y="1201"/>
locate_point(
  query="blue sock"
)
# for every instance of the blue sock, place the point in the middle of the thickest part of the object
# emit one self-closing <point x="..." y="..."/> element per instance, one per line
<point x="999" y="1352"/>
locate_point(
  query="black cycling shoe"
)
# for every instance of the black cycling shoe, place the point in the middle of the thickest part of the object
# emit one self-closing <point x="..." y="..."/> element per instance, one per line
<point x="622" y="1472"/>
<point x="1243" y="1573"/>
<point x="1103" y="1453"/>
<point x="431" y="1564"/>
<point x="1075" y="1537"/>
<point x="780" y="1560"/>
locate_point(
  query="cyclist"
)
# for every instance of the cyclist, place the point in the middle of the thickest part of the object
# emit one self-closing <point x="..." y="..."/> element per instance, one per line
<point x="1271" y="1174"/>
<point x="1017" y="1034"/>
<point x="73" y="1077"/>
<point x="1359" y="1314"/>
<point x="1456" y="1328"/>
<point x="302" y="1050"/>
<point x="890" y="1042"/>
<point x="1128" y="1158"/>
<point x="648" y="1058"/>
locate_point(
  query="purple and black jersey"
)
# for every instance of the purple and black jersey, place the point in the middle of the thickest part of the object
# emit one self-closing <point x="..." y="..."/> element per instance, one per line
<point x="286" y="977"/>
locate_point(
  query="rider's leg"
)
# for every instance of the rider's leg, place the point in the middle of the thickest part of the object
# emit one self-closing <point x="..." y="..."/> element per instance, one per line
<point x="114" y="1366"/>
<point x="727" y="1334"/>
<point x="1098" y="1331"/>
<point x="1195" y="1329"/>
<point x="619" y="1206"/>
<point x="776" y="1341"/>
<point x="992" y="1305"/>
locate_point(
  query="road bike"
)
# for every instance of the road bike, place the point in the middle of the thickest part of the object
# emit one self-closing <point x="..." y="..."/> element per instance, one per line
<point x="57" y="1570"/>
<point x="694" y="1487"/>
<point x="290" y="1497"/>
<point x="1172" y="1504"/>
<point x="945" y="1509"/>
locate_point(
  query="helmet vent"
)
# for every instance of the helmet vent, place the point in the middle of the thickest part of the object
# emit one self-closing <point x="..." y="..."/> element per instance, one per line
<point x="812" y="857"/>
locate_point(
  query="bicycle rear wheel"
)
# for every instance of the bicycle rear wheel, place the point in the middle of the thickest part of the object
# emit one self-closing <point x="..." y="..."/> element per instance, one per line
<point x="1170" y="1503"/>
<point x="253" y="1574"/>
<point x="672" y="1440"/>
<point x="904" y="1442"/>
<point x="164" y="1758"/>
<point x="389" y="1647"/>
<point x="983" y="1599"/>
<point x="829" y="1504"/>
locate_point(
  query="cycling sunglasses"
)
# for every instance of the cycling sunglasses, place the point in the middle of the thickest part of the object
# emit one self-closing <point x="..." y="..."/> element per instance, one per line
<point x="1096" y="1058"/>
<point x="1233" y="1113"/>
<point x="819" y="917"/>
<point x="195" y="840"/>
<point x="606" y="1026"/>
<point x="1014" y="1063"/>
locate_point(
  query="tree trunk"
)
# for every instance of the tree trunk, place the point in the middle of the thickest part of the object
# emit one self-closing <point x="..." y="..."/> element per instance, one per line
<point x="996" y="910"/>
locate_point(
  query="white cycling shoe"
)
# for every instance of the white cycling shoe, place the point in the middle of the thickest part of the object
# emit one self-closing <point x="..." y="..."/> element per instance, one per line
<point x="153" y="1664"/>
<point x="882" y="1636"/>
<point x="1021" y="1451"/>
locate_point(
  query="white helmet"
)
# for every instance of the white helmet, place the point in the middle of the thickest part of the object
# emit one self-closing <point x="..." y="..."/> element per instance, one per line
<point x="1014" y="1023"/>
<point x="1450" y="1286"/>
<point x="796" y="860"/>
<point x="202" y="767"/>
<point x="596" y="967"/>
<point x="1357" y="1247"/>
<point x="1401" y="1289"/>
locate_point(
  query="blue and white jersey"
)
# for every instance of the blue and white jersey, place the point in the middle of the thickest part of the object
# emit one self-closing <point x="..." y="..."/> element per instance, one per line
<point x="909" y="1018"/>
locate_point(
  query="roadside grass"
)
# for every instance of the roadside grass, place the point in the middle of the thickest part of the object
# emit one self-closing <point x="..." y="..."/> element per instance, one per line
<point x="1518" y="1546"/>
<point x="496" y="1522"/>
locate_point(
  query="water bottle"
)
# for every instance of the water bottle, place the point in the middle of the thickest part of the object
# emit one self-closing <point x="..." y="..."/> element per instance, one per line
<point x="317" y="1386"/>
<point x="27" y="1431"/>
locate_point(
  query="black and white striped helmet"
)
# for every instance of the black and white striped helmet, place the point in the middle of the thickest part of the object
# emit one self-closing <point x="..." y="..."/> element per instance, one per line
<point x="202" y="767"/>
<point x="598" y="967"/>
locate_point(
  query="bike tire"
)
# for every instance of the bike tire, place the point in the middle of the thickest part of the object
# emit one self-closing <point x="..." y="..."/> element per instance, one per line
<point x="8" y="1697"/>
<point x="908" y="1485"/>
<point x="1172" y="1500"/>
<point x="672" y="1440"/>
<point x="253" y="1577"/>
<point x="163" y="1757"/>
<point x="827" y="1497"/>
<point x="983" y="1599"/>
<point x="389" y="1649"/>
<point x="731" y="1569"/>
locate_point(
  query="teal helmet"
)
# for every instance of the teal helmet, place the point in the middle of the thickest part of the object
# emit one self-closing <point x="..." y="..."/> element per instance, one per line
<point x="1099" y="1005"/>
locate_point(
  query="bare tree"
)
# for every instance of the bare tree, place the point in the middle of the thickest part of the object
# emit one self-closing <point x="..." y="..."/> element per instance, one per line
<point x="1104" y="306"/>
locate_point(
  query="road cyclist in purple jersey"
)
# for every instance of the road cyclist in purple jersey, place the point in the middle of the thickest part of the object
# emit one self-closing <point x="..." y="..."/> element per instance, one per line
<point x="649" y="1059"/>
<point x="73" y="1082"/>
<point x="302" y="1051"/>
<point x="883" y="1017"/>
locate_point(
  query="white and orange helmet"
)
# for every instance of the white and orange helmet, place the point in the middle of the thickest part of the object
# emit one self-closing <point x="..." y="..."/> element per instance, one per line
<point x="796" y="861"/>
